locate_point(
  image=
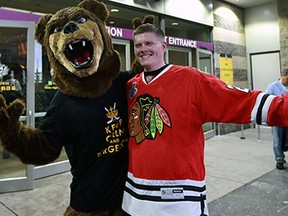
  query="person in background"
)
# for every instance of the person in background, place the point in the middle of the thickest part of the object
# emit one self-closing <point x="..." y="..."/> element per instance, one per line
<point x="10" y="95"/>
<point x="280" y="134"/>
<point x="167" y="106"/>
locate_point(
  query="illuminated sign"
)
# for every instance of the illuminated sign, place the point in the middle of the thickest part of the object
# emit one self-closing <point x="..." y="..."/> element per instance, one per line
<point x="181" y="42"/>
<point x="123" y="33"/>
<point x="50" y="86"/>
<point x="4" y="86"/>
<point x="116" y="32"/>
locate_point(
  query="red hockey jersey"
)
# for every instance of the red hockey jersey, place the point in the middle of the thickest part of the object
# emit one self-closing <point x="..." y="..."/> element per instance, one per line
<point x="166" y="147"/>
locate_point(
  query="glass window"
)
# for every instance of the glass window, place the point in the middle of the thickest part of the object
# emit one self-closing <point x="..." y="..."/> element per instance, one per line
<point x="189" y="30"/>
<point x="13" y="60"/>
<point x="122" y="52"/>
<point x="178" y="57"/>
<point x="45" y="89"/>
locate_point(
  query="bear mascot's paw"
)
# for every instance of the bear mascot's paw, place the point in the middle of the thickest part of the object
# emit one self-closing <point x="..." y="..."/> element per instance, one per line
<point x="17" y="137"/>
<point x="9" y="117"/>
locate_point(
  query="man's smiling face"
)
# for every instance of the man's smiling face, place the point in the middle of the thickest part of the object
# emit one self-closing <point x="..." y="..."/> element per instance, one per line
<point x="149" y="50"/>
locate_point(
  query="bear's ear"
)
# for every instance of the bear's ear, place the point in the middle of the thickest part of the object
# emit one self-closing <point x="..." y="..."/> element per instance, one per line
<point x="96" y="7"/>
<point x="148" y="19"/>
<point x="40" y="28"/>
<point x="136" y="22"/>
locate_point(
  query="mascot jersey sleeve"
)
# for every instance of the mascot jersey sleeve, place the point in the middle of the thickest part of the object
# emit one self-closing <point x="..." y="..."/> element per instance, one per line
<point x="94" y="134"/>
<point x="166" y="174"/>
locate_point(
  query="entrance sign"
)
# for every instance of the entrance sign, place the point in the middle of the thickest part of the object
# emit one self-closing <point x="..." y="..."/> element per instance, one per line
<point x="123" y="33"/>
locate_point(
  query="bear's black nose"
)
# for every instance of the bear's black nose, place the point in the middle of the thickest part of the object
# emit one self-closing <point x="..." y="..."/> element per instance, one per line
<point x="70" y="28"/>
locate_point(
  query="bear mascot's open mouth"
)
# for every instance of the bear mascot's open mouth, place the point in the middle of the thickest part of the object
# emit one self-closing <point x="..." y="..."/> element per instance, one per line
<point x="80" y="53"/>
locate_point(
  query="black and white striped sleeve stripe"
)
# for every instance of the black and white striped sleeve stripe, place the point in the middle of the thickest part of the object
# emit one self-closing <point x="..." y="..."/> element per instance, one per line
<point x="260" y="110"/>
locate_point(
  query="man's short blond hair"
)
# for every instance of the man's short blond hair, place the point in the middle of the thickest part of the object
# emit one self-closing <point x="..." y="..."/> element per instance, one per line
<point x="148" y="27"/>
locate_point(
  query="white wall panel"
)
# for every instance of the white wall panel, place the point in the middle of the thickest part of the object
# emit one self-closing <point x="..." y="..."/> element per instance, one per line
<point x="262" y="30"/>
<point x="200" y="11"/>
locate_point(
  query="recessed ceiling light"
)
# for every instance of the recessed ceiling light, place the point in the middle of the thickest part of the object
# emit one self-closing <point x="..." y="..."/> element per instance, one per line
<point x="111" y="22"/>
<point x="114" y="10"/>
<point x="174" y="24"/>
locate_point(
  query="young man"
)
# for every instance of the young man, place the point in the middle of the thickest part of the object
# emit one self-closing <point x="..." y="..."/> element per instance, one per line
<point x="280" y="134"/>
<point x="168" y="104"/>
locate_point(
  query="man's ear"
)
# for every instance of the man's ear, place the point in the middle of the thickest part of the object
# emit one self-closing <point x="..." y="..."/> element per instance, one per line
<point x="40" y="28"/>
<point x="164" y="45"/>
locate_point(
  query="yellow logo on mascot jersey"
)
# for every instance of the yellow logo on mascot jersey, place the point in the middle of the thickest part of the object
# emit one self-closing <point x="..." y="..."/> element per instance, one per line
<point x="115" y="132"/>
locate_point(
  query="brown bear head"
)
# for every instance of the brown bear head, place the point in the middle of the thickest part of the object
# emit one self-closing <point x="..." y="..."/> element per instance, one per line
<point x="79" y="49"/>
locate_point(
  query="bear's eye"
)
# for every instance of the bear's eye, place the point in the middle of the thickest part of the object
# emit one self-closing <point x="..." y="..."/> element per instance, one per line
<point x="57" y="29"/>
<point x="81" y="20"/>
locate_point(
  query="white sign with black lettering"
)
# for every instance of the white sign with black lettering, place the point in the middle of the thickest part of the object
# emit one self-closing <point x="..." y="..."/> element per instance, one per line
<point x="172" y="193"/>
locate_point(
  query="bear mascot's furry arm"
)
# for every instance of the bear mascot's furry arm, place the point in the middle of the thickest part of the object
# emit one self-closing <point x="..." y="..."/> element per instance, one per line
<point x="87" y="116"/>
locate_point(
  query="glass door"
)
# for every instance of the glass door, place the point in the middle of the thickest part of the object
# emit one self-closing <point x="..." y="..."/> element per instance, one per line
<point x="205" y="64"/>
<point x="123" y="48"/>
<point x="179" y="56"/>
<point x="45" y="89"/>
<point x="16" y="81"/>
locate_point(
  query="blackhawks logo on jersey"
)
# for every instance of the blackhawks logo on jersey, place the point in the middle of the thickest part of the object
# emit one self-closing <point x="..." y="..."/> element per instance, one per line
<point x="147" y="118"/>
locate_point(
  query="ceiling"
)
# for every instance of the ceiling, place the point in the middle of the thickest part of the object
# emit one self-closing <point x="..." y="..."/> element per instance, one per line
<point x="123" y="18"/>
<point x="44" y="6"/>
<point x="248" y="3"/>
<point x="41" y="6"/>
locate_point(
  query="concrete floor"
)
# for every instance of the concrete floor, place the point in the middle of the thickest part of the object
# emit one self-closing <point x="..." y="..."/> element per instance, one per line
<point x="266" y="195"/>
<point x="241" y="179"/>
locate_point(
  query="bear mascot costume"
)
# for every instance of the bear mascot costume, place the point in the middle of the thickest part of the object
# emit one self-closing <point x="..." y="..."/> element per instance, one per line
<point x="88" y="114"/>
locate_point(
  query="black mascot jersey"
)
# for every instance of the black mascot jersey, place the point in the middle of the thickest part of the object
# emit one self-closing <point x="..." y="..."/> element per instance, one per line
<point x="95" y="140"/>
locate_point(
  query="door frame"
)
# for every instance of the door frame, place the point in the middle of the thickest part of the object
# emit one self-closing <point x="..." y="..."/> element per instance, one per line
<point x="179" y="49"/>
<point x="26" y="182"/>
<point x="207" y="52"/>
<point x="126" y="43"/>
<point x="210" y="133"/>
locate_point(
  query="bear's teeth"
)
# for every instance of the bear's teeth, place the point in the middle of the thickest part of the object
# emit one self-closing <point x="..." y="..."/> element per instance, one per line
<point x="70" y="47"/>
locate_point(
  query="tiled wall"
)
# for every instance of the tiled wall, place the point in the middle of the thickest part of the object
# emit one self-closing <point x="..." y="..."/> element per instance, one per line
<point x="229" y="38"/>
<point x="283" y="28"/>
